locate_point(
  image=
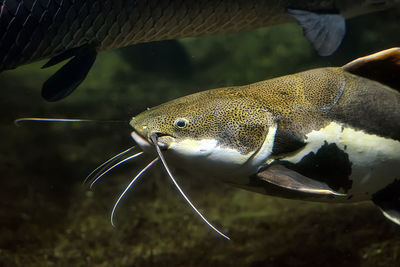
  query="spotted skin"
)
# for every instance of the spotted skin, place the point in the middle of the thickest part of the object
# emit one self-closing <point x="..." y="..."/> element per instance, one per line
<point x="299" y="103"/>
<point x="229" y="119"/>
<point x="239" y="118"/>
<point x="321" y="135"/>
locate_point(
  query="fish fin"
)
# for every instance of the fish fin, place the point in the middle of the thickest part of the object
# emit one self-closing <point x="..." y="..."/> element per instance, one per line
<point x="61" y="57"/>
<point x="383" y="67"/>
<point x="324" y="31"/>
<point x="286" y="178"/>
<point x="71" y="75"/>
<point x="388" y="200"/>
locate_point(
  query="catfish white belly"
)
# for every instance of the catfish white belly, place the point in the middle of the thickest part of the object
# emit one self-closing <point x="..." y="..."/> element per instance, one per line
<point x="373" y="161"/>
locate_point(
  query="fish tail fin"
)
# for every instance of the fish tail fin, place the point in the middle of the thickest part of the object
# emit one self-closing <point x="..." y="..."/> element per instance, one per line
<point x="324" y="31"/>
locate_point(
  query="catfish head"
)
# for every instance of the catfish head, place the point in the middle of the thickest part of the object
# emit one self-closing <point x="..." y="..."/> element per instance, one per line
<point x="219" y="132"/>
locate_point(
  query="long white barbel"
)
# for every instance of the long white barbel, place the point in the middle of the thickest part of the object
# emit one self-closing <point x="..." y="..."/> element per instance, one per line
<point x="154" y="140"/>
<point x="129" y="186"/>
<point x="113" y="166"/>
<point x="18" y="121"/>
<point x="107" y="162"/>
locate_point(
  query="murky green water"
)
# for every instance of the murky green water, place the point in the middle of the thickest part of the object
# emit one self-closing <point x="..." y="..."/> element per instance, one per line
<point x="48" y="218"/>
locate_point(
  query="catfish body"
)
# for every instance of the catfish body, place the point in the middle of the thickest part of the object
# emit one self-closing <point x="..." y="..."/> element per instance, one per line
<point x="31" y="30"/>
<point x="328" y="134"/>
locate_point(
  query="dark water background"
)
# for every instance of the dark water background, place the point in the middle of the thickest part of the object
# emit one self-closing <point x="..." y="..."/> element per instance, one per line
<point x="47" y="218"/>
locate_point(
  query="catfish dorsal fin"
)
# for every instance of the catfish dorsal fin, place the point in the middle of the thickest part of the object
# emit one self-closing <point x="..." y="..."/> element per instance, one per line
<point x="383" y="67"/>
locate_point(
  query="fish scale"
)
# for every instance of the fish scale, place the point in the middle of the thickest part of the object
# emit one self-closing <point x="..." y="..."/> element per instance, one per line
<point x="35" y="29"/>
<point x="31" y="30"/>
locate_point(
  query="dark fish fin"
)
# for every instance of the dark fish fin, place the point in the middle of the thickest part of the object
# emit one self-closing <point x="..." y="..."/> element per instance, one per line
<point x="383" y="67"/>
<point x="61" y="57"/>
<point x="286" y="178"/>
<point x="70" y="76"/>
<point x="324" y="31"/>
<point x="388" y="200"/>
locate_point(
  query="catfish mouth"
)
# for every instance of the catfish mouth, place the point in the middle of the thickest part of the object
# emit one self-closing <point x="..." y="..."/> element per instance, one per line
<point x="163" y="140"/>
<point x="141" y="141"/>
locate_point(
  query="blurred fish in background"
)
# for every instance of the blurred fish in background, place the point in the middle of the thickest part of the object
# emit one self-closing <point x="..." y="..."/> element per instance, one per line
<point x="31" y="30"/>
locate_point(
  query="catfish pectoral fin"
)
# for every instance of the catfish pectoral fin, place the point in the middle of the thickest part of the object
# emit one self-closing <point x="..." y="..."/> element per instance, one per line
<point x="388" y="200"/>
<point x="71" y="75"/>
<point x="286" y="178"/>
<point x="390" y="211"/>
<point x="324" y="31"/>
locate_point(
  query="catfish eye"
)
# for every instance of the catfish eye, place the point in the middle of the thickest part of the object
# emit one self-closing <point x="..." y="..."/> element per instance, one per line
<point x="181" y="123"/>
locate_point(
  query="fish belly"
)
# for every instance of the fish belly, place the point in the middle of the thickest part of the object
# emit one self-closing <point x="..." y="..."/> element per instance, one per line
<point x="374" y="161"/>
